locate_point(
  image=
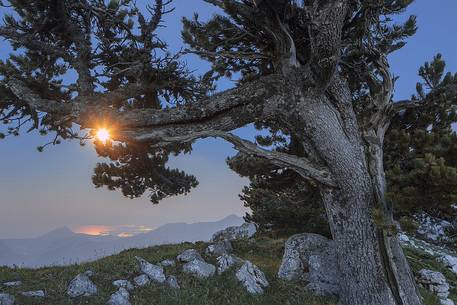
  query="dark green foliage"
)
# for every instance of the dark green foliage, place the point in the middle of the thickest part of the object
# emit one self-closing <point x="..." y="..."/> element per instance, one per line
<point x="420" y="161"/>
<point x="279" y="199"/>
<point x="112" y="46"/>
<point x="137" y="168"/>
<point x="421" y="148"/>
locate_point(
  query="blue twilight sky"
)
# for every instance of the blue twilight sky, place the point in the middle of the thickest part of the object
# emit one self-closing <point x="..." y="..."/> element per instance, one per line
<point x="42" y="191"/>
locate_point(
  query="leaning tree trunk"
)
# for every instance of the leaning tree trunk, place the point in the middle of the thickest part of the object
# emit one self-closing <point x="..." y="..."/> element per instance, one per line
<point x="373" y="268"/>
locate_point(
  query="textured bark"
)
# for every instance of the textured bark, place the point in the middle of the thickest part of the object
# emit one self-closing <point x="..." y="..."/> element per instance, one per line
<point x="372" y="265"/>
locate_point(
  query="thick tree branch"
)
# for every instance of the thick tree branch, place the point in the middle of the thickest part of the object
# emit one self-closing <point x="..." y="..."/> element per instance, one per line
<point x="302" y="166"/>
<point x="23" y="93"/>
<point x="247" y="100"/>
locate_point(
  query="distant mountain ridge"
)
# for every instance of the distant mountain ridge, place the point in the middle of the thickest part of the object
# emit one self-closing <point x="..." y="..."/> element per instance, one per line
<point x="64" y="247"/>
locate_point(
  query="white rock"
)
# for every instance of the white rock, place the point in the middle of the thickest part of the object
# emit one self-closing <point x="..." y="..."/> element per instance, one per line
<point x="403" y="238"/>
<point x="33" y="294"/>
<point x="154" y="272"/>
<point x="246" y="230"/>
<point x="167" y="263"/>
<point x="12" y="284"/>
<point x="199" y="268"/>
<point x="172" y="282"/>
<point x="252" y="278"/>
<point x="297" y="250"/>
<point x="219" y="248"/>
<point x="123" y="284"/>
<point x="446" y="302"/>
<point x="81" y="285"/>
<point x="449" y="261"/>
<point x="120" y="297"/>
<point x="6" y="299"/>
<point x="431" y="228"/>
<point x="431" y="277"/>
<point x="226" y="261"/>
<point x="189" y="255"/>
<point x="435" y="282"/>
<point x="142" y="280"/>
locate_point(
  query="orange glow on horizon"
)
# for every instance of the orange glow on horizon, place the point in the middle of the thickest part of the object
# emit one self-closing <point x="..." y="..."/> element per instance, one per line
<point x="94" y="230"/>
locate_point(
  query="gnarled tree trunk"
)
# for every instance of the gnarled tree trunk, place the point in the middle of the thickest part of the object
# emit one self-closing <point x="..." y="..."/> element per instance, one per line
<point x="373" y="268"/>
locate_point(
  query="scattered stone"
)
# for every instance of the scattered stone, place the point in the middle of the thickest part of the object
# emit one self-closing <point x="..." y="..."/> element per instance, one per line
<point x="189" y="255"/>
<point x="6" y="299"/>
<point x="142" y="280"/>
<point x="298" y="249"/>
<point x="446" y="302"/>
<point x="311" y="257"/>
<point x="120" y="297"/>
<point x="199" y="268"/>
<point x="252" y="278"/>
<point x="167" y="263"/>
<point x="403" y="238"/>
<point x="12" y="284"/>
<point x="435" y="282"/>
<point x="246" y="230"/>
<point x="123" y="284"/>
<point x="81" y="285"/>
<point x="449" y="261"/>
<point x="432" y="229"/>
<point x="172" y="281"/>
<point x="33" y="294"/>
<point x="226" y="261"/>
<point x="219" y="248"/>
<point x="154" y="272"/>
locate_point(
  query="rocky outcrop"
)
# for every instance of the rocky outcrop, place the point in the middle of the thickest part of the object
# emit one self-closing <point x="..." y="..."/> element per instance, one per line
<point x="311" y="257"/>
<point x="81" y="285"/>
<point x="199" y="268"/>
<point x="432" y="229"/>
<point x="141" y="280"/>
<point x="449" y="261"/>
<point x="6" y="299"/>
<point x="252" y="278"/>
<point x="246" y="230"/>
<point x="172" y="282"/>
<point x="120" y="297"/>
<point x="226" y="261"/>
<point x="34" y="294"/>
<point x="154" y="272"/>
<point x="167" y="263"/>
<point x="12" y="284"/>
<point x="219" y="248"/>
<point x="189" y="255"/>
<point x="436" y="283"/>
<point x="123" y="284"/>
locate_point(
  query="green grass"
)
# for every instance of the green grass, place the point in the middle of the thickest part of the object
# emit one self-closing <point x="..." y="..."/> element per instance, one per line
<point x="219" y="290"/>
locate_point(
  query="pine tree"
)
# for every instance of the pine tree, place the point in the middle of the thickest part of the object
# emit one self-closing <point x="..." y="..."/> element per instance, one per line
<point x="420" y="159"/>
<point x="313" y="72"/>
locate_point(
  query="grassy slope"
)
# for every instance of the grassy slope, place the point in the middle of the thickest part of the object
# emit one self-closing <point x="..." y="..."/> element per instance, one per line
<point x="220" y="290"/>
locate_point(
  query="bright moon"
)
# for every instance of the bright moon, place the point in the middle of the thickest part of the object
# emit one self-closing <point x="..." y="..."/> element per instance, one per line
<point x="103" y="135"/>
